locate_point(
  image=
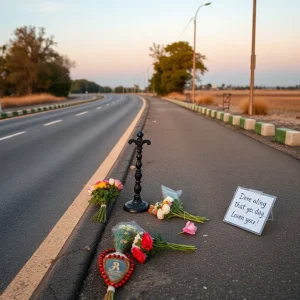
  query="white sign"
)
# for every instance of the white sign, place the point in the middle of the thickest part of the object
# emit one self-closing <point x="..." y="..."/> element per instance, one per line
<point x="249" y="209"/>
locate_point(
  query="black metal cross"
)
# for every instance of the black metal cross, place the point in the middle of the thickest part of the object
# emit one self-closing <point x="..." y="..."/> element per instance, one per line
<point x="137" y="205"/>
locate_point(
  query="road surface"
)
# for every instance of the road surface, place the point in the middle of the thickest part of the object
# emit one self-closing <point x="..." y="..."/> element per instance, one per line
<point x="46" y="159"/>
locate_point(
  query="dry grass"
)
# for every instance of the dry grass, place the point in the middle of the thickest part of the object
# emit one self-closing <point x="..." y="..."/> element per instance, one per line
<point x="176" y="96"/>
<point x="260" y="107"/>
<point x="8" y="102"/>
<point x="208" y="100"/>
<point x="277" y="101"/>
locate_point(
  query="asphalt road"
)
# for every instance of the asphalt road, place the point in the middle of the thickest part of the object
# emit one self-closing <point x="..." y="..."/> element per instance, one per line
<point x="45" y="160"/>
<point x="208" y="161"/>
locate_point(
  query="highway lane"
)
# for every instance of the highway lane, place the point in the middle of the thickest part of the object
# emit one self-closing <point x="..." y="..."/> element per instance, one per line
<point x="45" y="167"/>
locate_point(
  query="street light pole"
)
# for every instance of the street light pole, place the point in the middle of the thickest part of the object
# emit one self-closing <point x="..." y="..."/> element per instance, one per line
<point x="253" y="60"/>
<point x="194" y="56"/>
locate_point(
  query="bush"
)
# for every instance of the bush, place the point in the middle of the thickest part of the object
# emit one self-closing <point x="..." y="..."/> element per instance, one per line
<point x="208" y="100"/>
<point x="260" y="107"/>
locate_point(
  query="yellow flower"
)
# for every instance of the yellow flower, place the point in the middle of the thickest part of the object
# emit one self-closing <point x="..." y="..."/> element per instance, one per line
<point x="101" y="185"/>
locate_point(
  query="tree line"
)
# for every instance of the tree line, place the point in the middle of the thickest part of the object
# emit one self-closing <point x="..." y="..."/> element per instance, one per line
<point x="81" y="86"/>
<point x="29" y="64"/>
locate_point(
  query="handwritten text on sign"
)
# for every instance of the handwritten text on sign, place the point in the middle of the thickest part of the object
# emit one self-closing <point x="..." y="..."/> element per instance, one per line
<point x="249" y="210"/>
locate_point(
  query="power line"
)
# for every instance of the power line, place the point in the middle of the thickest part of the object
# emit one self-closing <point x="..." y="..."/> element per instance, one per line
<point x="187" y="25"/>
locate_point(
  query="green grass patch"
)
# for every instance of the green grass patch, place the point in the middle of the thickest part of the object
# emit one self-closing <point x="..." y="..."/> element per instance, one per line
<point x="24" y="111"/>
<point x="3" y="115"/>
<point x="15" y="114"/>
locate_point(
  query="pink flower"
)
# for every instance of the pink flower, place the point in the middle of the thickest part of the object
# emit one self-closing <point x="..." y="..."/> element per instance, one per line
<point x="118" y="184"/>
<point x="189" y="228"/>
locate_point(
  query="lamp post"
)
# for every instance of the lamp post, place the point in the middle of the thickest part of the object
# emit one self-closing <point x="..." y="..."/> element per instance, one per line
<point x="253" y="60"/>
<point x="194" y="56"/>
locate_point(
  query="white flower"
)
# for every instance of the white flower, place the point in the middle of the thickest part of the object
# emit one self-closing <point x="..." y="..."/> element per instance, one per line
<point x="169" y="199"/>
<point x="122" y="226"/>
<point x="131" y="228"/>
<point x="90" y="189"/>
<point x="136" y="239"/>
<point x="160" y="214"/>
<point x="166" y="209"/>
<point x="111" y="181"/>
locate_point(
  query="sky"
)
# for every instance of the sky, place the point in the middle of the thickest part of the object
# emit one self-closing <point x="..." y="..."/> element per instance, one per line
<point x="110" y="40"/>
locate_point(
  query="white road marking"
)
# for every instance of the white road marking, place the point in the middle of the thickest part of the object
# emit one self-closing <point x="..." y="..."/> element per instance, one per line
<point x="29" y="277"/>
<point x="10" y="136"/>
<point x="83" y="113"/>
<point x="99" y="107"/>
<point x="51" y="123"/>
<point x="107" y="104"/>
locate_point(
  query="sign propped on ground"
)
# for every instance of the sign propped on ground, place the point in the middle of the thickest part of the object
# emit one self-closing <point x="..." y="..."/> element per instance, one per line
<point x="250" y="209"/>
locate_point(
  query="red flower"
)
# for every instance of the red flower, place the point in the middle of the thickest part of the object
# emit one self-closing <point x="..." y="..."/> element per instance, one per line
<point x="138" y="254"/>
<point x="147" y="242"/>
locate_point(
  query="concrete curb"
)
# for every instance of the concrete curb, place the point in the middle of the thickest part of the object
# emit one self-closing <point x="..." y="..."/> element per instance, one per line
<point x="247" y="124"/>
<point x="287" y="136"/>
<point x="11" y="114"/>
<point x="67" y="273"/>
<point x="283" y="135"/>
<point x="264" y="129"/>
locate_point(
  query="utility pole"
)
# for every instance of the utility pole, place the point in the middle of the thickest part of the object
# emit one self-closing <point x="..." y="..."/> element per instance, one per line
<point x="194" y="55"/>
<point x="253" y="60"/>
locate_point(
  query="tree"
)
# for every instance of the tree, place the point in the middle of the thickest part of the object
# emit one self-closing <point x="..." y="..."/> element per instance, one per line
<point x="54" y="77"/>
<point x="26" y="52"/>
<point x="119" y="89"/>
<point x="29" y="64"/>
<point x="173" y="67"/>
<point x="157" y="51"/>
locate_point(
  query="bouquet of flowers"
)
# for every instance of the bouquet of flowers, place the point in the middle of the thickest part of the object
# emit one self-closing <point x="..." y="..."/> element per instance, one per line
<point x="144" y="245"/>
<point x="172" y="207"/>
<point x="102" y="193"/>
<point x="115" y="265"/>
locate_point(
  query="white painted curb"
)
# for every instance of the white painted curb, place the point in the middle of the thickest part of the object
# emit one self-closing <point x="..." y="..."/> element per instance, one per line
<point x="292" y="138"/>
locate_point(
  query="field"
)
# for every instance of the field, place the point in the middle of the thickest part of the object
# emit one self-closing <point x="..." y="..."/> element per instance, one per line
<point x="8" y="102"/>
<point x="283" y="107"/>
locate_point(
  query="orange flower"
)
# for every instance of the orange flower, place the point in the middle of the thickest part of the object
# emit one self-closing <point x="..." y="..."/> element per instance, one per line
<point x="101" y="185"/>
<point x="151" y="208"/>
